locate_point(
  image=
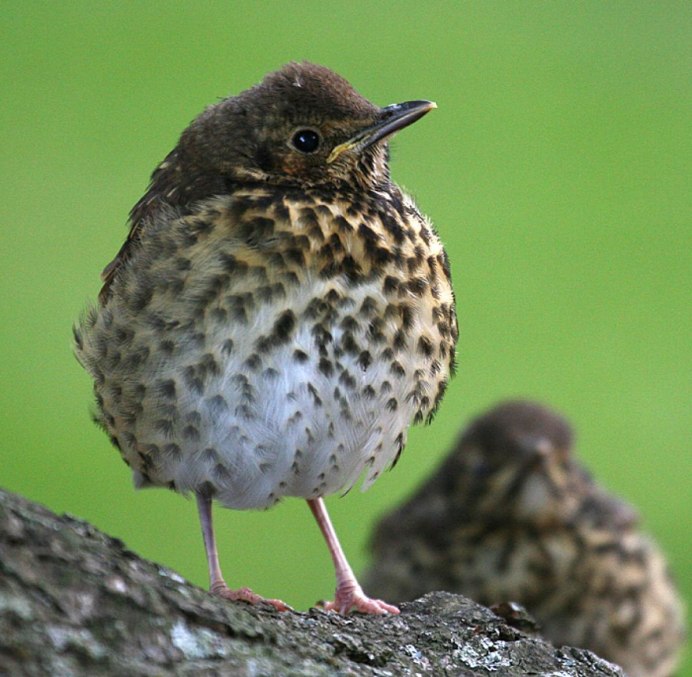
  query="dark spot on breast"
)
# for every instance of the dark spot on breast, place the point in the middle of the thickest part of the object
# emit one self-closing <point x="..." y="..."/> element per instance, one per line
<point x="141" y="296"/>
<point x="123" y="335"/>
<point x="417" y="285"/>
<point x="425" y="346"/>
<point x="364" y="359"/>
<point x="397" y="369"/>
<point x="352" y="270"/>
<point x="281" y="212"/>
<point x="209" y="455"/>
<point x="237" y="309"/>
<point x="264" y="293"/>
<point x="300" y="241"/>
<point x="325" y="366"/>
<point x="217" y="405"/>
<point x="172" y="450"/>
<point x="375" y="333"/>
<point x="253" y="362"/>
<point x="349" y="344"/>
<point x="115" y="391"/>
<point x="243" y="411"/>
<point x="342" y="224"/>
<point x="208" y="365"/>
<point x="294" y="256"/>
<point x="191" y="433"/>
<point x="284" y="326"/>
<point x="315" y="398"/>
<point x="399" y="339"/>
<point x="221" y="473"/>
<point x="335" y="244"/>
<point x="332" y="296"/>
<point x="314" y="309"/>
<point x="290" y="278"/>
<point x="392" y="311"/>
<point x="390" y="284"/>
<point x="300" y="356"/>
<point x="412" y="264"/>
<point x="347" y="380"/>
<point x="167" y="346"/>
<point x="367" y="233"/>
<point x="231" y="264"/>
<point x="321" y="335"/>
<point x="380" y="256"/>
<point x="369" y="392"/>
<point x="309" y="221"/>
<point x="166" y="388"/>
<point x="134" y="359"/>
<point x="165" y="426"/>
<point x="406" y="315"/>
<point x="443" y="328"/>
<point x="295" y="418"/>
<point x="368" y="307"/>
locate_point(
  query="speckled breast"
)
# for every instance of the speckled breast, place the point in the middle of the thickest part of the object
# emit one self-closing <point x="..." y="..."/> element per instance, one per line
<point x="273" y="344"/>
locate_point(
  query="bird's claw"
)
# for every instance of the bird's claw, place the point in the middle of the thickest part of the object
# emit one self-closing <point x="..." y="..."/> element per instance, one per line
<point x="246" y="595"/>
<point x="357" y="600"/>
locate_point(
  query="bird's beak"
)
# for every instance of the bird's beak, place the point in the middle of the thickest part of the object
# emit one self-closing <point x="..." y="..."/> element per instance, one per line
<point x="391" y="119"/>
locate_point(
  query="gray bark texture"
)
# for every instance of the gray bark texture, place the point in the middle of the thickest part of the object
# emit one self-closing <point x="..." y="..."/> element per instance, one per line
<point x="74" y="601"/>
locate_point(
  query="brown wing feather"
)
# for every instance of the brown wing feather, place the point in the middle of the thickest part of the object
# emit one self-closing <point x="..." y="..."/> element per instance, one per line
<point x="161" y="188"/>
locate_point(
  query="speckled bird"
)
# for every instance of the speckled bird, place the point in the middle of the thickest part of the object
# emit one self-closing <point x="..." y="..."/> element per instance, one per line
<point x="511" y="516"/>
<point x="279" y="313"/>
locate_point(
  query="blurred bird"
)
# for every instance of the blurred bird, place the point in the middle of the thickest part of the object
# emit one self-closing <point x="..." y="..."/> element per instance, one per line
<point x="511" y="516"/>
<point x="280" y="312"/>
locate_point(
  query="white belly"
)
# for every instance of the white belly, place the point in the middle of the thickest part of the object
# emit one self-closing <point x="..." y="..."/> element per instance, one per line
<point x="286" y="426"/>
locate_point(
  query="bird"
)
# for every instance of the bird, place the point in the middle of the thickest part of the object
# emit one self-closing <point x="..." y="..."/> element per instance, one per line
<point x="511" y="516"/>
<point x="280" y="313"/>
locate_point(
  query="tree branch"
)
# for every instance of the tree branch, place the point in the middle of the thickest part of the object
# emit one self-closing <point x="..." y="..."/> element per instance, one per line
<point x="74" y="601"/>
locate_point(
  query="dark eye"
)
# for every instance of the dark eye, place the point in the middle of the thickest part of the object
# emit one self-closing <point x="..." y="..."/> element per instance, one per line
<point x="306" y="140"/>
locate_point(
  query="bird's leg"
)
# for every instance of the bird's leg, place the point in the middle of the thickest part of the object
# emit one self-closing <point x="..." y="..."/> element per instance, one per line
<point x="349" y="594"/>
<point x="217" y="584"/>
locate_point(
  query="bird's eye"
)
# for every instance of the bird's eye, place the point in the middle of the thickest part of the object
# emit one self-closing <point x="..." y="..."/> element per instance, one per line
<point x="306" y="140"/>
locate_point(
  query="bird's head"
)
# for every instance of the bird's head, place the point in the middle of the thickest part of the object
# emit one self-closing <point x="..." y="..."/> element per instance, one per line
<point x="516" y="462"/>
<point x="303" y="125"/>
<point x="517" y="466"/>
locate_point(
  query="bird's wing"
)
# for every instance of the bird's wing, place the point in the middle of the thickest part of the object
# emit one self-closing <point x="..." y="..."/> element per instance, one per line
<point x="161" y="188"/>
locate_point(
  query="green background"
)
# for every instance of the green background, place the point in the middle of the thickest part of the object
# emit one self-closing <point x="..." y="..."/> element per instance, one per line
<point x="557" y="170"/>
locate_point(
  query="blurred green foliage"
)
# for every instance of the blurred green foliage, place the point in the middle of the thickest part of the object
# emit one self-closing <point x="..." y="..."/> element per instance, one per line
<point x="557" y="170"/>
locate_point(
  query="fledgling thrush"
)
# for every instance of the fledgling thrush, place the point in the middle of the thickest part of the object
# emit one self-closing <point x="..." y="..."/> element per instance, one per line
<point x="280" y="312"/>
<point x="511" y="516"/>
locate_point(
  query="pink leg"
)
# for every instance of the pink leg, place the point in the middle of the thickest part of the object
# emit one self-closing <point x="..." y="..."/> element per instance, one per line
<point x="218" y="585"/>
<point x="349" y="594"/>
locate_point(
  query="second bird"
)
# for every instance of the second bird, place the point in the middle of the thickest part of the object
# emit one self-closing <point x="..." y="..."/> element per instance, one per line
<point x="279" y="313"/>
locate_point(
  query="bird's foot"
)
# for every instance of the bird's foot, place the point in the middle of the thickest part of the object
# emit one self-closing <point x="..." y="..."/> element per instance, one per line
<point x="246" y="595"/>
<point x="350" y="597"/>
